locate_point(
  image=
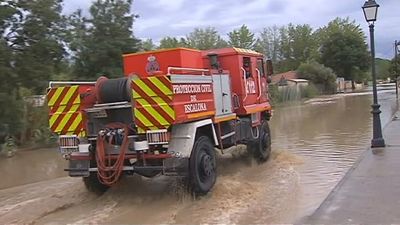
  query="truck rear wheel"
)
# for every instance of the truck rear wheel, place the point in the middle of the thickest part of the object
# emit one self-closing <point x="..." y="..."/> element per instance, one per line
<point x="202" y="166"/>
<point x="261" y="147"/>
<point x="93" y="184"/>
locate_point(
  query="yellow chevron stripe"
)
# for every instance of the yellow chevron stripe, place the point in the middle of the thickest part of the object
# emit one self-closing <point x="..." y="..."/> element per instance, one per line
<point x="59" y="113"/>
<point x="141" y="131"/>
<point x="74" y="108"/>
<point x="63" y="122"/>
<point x="156" y="98"/>
<point x="61" y="108"/>
<point x="135" y="95"/>
<point x="53" y="118"/>
<point x="76" y="123"/>
<point x="165" y="106"/>
<point x="77" y="100"/>
<point x="164" y="89"/>
<point x="143" y="119"/>
<point x="69" y="94"/>
<point x="152" y="111"/>
<point x="56" y="95"/>
<point x="82" y="133"/>
<point x="145" y="88"/>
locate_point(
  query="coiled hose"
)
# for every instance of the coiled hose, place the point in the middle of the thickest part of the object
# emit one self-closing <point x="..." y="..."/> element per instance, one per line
<point x="110" y="171"/>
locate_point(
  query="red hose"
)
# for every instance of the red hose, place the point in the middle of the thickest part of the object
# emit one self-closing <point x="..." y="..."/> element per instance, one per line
<point x="109" y="172"/>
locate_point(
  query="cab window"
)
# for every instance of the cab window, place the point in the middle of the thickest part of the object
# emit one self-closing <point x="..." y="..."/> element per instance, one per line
<point x="247" y="66"/>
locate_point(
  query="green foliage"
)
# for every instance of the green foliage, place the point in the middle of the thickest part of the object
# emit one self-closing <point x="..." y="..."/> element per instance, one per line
<point x="318" y="74"/>
<point x="297" y="44"/>
<point x="269" y="43"/>
<point x="291" y="93"/>
<point x="309" y="91"/>
<point x="147" y="45"/>
<point x="172" y="42"/>
<point x="11" y="113"/>
<point x="274" y="94"/>
<point x="103" y="38"/>
<point x="241" y="38"/>
<point x="394" y="68"/>
<point x="382" y="68"/>
<point x="343" y="49"/>
<point x="203" y="39"/>
<point x="288" y="46"/>
<point x="39" y="45"/>
<point x="37" y="128"/>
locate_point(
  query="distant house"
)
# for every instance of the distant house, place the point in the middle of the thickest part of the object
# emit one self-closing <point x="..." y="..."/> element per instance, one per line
<point x="282" y="78"/>
<point x="36" y="100"/>
<point x="290" y="78"/>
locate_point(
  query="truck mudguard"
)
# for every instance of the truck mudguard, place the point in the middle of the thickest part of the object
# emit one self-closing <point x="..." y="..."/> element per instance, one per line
<point x="183" y="136"/>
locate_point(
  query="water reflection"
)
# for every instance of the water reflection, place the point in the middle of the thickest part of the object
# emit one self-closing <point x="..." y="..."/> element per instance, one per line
<point x="31" y="166"/>
<point x="314" y="146"/>
<point x="330" y="134"/>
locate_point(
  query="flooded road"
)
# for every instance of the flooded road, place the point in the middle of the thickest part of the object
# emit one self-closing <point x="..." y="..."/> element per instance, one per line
<point x="314" y="145"/>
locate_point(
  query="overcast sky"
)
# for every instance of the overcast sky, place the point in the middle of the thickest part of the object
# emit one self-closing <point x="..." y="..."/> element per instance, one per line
<point x="159" y="18"/>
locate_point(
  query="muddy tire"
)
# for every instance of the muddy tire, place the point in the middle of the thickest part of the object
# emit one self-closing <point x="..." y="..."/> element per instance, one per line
<point x="202" y="166"/>
<point x="93" y="184"/>
<point x="261" y="147"/>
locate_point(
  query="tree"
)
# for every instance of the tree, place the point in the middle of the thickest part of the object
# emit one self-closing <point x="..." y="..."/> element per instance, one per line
<point x="147" y="45"/>
<point x="318" y="74"/>
<point x="304" y="45"/>
<point x="38" y="43"/>
<point x="170" y="42"/>
<point x="394" y="68"/>
<point x="383" y="68"/>
<point x="343" y="49"/>
<point x="241" y="38"/>
<point x="9" y="15"/>
<point x="30" y="53"/>
<point x="207" y="38"/>
<point x="269" y="43"/>
<point x="297" y="45"/>
<point x="106" y="36"/>
<point x="338" y="25"/>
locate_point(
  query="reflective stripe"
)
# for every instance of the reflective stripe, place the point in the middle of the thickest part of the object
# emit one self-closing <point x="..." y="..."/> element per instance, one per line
<point x="153" y="97"/>
<point x="65" y="115"/>
<point x="149" y="108"/>
<point x="166" y="90"/>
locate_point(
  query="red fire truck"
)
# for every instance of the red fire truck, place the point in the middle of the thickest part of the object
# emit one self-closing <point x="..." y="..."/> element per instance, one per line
<point x="168" y="115"/>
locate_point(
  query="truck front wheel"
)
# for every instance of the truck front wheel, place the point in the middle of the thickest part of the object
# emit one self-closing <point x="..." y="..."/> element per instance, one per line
<point x="202" y="166"/>
<point x="261" y="147"/>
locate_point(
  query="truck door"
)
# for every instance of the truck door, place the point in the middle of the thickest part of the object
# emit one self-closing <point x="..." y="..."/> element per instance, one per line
<point x="250" y="80"/>
<point x="262" y="81"/>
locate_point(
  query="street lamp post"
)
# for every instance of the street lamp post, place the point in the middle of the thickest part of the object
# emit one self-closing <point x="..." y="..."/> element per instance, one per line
<point x="370" y="9"/>
<point x="396" y="50"/>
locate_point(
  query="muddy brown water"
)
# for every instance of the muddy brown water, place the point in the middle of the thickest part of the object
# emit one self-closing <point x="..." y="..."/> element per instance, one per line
<point x="314" y="144"/>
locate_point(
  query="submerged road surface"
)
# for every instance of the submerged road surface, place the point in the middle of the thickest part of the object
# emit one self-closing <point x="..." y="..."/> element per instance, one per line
<point x="314" y="144"/>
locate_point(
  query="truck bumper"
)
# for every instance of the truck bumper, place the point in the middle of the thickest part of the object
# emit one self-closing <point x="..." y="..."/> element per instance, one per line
<point x="79" y="166"/>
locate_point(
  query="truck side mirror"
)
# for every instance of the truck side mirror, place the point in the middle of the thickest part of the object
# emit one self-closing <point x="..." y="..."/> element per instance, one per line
<point x="213" y="57"/>
<point x="270" y="69"/>
<point x="269" y="80"/>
